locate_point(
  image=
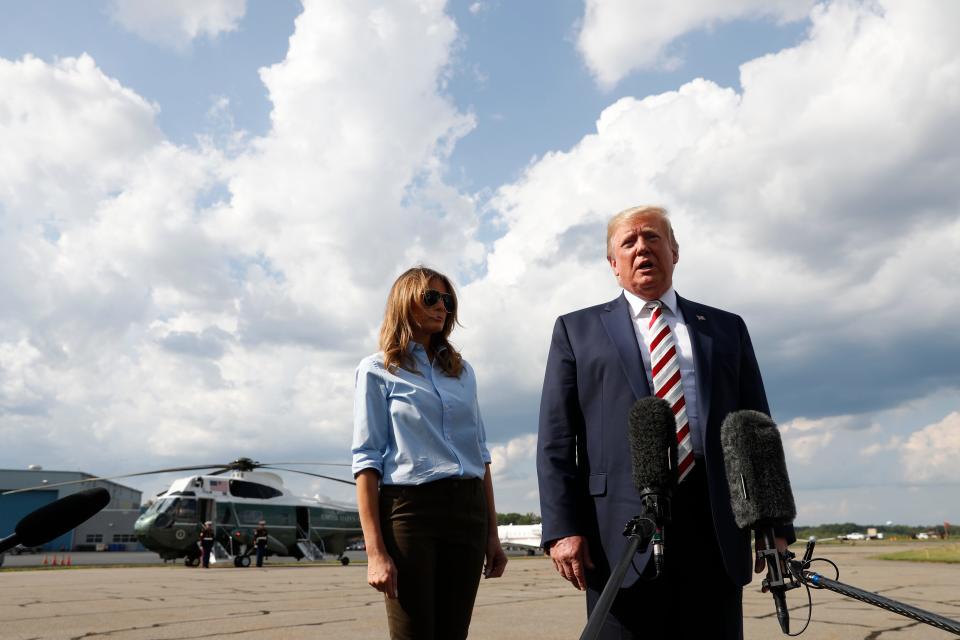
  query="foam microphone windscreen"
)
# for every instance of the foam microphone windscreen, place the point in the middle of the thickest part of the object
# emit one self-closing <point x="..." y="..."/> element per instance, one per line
<point x="653" y="445"/>
<point x="760" y="493"/>
<point x="55" y="519"/>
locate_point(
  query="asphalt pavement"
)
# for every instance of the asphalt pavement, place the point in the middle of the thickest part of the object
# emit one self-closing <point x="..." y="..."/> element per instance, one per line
<point x="300" y="601"/>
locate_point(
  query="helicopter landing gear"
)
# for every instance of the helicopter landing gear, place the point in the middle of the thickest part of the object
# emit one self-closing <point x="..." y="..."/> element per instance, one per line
<point x="192" y="561"/>
<point x="344" y="560"/>
<point x="243" y="561"/>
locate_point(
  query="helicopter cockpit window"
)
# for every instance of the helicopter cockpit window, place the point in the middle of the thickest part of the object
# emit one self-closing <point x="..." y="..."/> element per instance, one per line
<point x="244" y="489"/>
<point x="187" y="509"/>
<point x="161" y="506"/>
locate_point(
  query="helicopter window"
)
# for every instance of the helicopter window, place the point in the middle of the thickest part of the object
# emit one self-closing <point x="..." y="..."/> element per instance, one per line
<point x="187" y="509"/>
<point x="251" y="516"/>
<point x="244" y="489"/>
<point x="161" y="506"/>
<point x="275" y="515"/>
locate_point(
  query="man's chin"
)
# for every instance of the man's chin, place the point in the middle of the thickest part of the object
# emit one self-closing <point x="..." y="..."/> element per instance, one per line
<point x="648" y="290"/>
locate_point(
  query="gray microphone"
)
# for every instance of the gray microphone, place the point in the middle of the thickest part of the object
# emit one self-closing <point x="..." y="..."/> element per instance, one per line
<point x="653" y="452"/>
<point x="760" y="493"/>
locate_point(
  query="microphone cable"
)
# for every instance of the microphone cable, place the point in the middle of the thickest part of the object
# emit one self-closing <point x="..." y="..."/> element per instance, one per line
<point x="798" y="568"/>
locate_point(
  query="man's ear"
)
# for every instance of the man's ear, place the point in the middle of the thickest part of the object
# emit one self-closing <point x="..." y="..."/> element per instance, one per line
<point x="613" y="265"/>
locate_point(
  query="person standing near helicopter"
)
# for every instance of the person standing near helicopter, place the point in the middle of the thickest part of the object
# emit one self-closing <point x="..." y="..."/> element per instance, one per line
<point x="260" y="541"/>
<point x="424" y="489"/>
<point x="206" y="543"/>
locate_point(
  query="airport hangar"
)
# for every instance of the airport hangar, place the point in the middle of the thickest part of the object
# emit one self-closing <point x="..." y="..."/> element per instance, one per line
<point x="109" y="530"/>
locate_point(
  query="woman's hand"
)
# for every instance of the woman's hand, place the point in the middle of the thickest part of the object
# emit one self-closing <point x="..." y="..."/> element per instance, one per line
<point x="496" y="558"/>
<point x="382" y="573"/>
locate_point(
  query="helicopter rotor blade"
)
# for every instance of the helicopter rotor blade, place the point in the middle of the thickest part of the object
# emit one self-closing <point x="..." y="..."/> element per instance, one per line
<point x="118" y="477"/>
<point x="319" y="464"/>
<point x="307" y="473"/>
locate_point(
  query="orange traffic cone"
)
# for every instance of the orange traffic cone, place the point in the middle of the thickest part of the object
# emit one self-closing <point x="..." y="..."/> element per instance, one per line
<point x="69" y="561"/>
<point x="53" y="563"/>
<point x="44" y="560"/>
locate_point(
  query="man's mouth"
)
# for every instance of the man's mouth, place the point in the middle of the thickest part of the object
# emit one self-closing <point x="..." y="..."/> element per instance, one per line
<point x="645" y="265"/>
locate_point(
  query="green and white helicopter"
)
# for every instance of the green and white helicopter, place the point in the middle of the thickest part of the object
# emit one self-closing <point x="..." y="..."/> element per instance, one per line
<point x="298" y="526"/>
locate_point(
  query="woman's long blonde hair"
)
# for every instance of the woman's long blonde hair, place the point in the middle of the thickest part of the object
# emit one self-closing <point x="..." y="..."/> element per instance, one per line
<point x="396" y="332"/>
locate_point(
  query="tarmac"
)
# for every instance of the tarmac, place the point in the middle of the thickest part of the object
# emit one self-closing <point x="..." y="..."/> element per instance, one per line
<point x="530" y="602"/>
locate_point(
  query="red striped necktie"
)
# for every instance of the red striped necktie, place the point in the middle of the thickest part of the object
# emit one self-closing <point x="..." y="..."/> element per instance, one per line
<point x="665" y="363"/>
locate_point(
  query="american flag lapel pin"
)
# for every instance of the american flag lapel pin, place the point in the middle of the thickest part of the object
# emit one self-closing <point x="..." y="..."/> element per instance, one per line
<point x="699" y="317"/>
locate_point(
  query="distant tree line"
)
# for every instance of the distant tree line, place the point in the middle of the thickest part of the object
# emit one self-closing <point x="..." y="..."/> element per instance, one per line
<point x="518" y="518"/>
<point x="889" y="530"/>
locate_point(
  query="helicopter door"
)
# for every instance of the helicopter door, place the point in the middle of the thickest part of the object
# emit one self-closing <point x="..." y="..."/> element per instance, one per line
<point x="207" y="510"/>
<point x="303" y="523"/>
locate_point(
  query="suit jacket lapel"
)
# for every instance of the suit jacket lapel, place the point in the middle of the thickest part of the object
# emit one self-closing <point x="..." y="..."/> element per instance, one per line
<point x="619" y="326"/>
<point x="698" y="325"/>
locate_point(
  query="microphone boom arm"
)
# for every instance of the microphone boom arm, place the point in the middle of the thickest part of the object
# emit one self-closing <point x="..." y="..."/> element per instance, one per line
<point x="801" y="573"/>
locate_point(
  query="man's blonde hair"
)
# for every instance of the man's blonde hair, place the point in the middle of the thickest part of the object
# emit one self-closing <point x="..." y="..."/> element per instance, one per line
<point x="628" y="215"/>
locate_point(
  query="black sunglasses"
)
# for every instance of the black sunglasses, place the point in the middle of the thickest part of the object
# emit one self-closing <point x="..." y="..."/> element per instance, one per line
<point x="432" y="297"/>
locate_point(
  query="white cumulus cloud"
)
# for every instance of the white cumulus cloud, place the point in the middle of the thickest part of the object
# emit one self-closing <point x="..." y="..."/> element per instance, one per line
<point x="619" y="36"/>
<point x="816" y="203"/>
<point x="176" y="23"/>
<point x="195" y="304"/>
<point x="931" y="453"/>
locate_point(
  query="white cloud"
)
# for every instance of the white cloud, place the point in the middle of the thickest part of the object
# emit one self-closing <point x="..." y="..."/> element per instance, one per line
<point x="212" y="302"/>
<point x="515" y="474"/>
<point x="931" y="454"/>
<point x="785" y="199"/>
<point x="508" y="458"/>
<point x="195" y="304"/>
<point x="176" y="23"/>
<point x="879" y="447"/>
<point x="619" y="36"/>
<point x="55" y="119"/>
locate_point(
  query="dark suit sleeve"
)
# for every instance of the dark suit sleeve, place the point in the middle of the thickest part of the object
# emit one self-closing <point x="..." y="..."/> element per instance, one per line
<point x="562" y="491"/>
<point x="753" y="396"/>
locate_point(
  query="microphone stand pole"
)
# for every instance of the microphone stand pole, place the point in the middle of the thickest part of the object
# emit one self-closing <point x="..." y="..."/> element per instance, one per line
<point x="900" y="608"/>
<point x="817" y="581"/>
<point x="639" y="532"/>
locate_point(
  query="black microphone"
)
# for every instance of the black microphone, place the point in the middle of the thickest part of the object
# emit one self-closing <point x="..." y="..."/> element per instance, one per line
<point x="55" y="519"/>
<point x="760" y="493"/>
<point x="653" y="451"/>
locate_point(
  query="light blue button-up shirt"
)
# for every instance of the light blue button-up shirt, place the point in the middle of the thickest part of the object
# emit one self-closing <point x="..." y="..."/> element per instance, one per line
<point x="417" y="427"/>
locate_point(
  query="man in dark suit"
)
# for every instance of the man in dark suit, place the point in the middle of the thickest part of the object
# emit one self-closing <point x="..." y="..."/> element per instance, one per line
<point x="599" y="365"/>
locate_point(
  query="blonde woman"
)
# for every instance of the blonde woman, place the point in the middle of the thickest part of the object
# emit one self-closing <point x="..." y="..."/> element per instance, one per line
<point x="422" y="466"/>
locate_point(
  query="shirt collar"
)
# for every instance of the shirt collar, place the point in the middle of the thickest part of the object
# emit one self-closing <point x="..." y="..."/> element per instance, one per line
<point x="669" y="300"/>
<point x="415" y="349"/>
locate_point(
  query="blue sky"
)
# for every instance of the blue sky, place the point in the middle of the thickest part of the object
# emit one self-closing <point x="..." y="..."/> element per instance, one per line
<point x="203" y="205"/>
